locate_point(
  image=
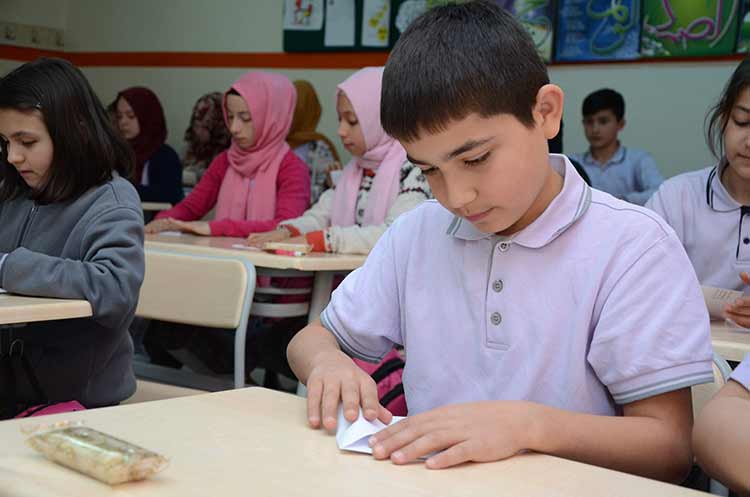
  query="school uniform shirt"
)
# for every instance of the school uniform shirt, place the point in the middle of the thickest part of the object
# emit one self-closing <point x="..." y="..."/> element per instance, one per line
<point x="741" y="373"/>
<point x="712" y="226"/>
<point x="315" y="224"/>
<point x="592" y="306"/>
<point x="631" y="174"/>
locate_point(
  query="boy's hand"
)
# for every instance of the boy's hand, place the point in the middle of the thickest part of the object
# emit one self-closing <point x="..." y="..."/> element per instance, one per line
<point x="739" y="312"/>
<point x="478" y="431"/>
<point x="336" y="378"/>
<point x="260" y="239"/>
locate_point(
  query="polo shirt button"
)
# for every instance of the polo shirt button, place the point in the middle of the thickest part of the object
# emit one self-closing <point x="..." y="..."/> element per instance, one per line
<point x="497" y="285"/>
<point x="503" y="246"/>
<point x="496" y="318"/>
<point x="746" y="241"/>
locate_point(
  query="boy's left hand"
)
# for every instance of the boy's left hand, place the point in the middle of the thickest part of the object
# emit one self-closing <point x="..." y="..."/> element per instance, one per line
<point x="739" y="312"/>
<point x="194" y="227"/>
<point x="478" y="431"/>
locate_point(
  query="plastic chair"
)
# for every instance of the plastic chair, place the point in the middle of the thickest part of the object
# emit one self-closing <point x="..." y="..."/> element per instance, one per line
<point x="201" y="290"/>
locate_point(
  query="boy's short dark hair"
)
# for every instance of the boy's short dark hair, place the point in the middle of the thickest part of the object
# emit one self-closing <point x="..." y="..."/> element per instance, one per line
<point x="604" y="99"/>
<point x="456" y="60"/>
<point x="87" y="149"/>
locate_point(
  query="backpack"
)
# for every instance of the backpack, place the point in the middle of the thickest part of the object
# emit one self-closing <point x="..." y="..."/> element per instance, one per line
<point x="387" y="375"/>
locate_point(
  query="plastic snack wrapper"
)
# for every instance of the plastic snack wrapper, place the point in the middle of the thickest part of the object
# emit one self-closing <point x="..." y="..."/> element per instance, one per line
<point x="93" y="453"/>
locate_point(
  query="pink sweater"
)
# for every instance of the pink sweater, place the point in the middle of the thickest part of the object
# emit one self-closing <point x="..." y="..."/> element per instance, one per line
<point x="292" y="198"/>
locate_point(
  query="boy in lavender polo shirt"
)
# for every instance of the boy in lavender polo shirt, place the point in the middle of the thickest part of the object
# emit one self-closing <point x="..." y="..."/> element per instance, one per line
<point x="536" y="313"/>
<point x="722" y="434"/>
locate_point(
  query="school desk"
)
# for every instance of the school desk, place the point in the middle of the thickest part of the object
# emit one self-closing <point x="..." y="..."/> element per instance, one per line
<point x="730" y="344"/>
<point x="324" y="266"/>
<point x="16" y="309"/>
<point x="255" y="442"/>
<point x="155" y="206"/>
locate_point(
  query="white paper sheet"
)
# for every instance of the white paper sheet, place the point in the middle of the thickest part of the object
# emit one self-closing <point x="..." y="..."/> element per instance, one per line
<point x="354" y="436"/>
<point x="717" y="298"/>
<point x="245" y="247"/>
<point x="339" y="23"/>
<point x="2" y="290"/>
<point x="303" y="15"/>
<point x="170" y="233"/>
<point x="376" y="19"/>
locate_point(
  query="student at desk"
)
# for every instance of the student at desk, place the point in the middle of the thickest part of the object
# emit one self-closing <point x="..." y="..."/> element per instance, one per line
<point x="708" y="208"/>
<point x="524" y="299"/>
<point x="70" y="227"/>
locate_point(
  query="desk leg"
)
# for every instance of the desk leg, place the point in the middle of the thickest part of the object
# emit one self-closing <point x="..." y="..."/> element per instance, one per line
<point x="320" y="297"/>
<point x="321" y="294"/>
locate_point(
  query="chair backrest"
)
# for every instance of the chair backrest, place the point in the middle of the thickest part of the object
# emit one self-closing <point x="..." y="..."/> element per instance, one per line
<point x="703" y="393"/>
<point x="195" y="289"/>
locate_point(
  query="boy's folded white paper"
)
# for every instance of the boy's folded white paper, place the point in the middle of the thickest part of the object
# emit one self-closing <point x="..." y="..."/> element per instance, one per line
<point x="170" y="233"/>
<point x="354" y="436"/>
<point x="3" y="291"/>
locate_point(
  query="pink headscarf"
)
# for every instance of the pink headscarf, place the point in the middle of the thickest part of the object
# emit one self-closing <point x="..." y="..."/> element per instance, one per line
<point x="248" y="191"/>
<point x="384" y="154"/>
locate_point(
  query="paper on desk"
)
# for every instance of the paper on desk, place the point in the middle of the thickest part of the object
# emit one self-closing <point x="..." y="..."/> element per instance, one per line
<point x="354" y="436"/>
<point x="717" y="298"/>
<point x="2" y="290"/>
<point x="170" y="233"/>
<point x="245" y="247"/>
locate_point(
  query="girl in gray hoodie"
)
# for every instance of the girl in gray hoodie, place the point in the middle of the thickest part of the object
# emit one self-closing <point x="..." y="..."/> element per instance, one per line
<point x="71" y="226"/>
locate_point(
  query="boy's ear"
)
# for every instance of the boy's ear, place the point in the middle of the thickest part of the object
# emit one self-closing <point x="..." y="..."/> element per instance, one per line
<point x="548" y="109"/>
<point x="621" y="124"/>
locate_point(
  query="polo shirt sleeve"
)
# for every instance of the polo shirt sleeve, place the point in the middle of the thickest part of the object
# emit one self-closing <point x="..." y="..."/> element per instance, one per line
<point x="652" y="334"/>
<point x="364" y="312"/>
<point x="648" y="178"/>
<point x="741" y="374"/>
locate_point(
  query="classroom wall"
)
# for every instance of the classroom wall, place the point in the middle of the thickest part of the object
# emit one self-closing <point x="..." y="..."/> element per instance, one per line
<point x="666" y="103"/>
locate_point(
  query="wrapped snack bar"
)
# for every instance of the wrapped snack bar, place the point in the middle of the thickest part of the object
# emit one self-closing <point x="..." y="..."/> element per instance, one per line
<point x="96" y="454"/>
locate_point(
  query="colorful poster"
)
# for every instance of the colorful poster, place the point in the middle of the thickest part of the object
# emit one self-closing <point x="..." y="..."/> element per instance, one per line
<point x="673" y="28"/>
<point x="303" y="15"/>
<point x="376" y="19"/>
<point x="598" y="30"/>
<point x="743" y="35"/>
<point x="537" y="17"/>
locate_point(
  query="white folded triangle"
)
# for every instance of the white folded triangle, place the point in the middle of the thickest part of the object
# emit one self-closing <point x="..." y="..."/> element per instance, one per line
<point x="355" y="436"/>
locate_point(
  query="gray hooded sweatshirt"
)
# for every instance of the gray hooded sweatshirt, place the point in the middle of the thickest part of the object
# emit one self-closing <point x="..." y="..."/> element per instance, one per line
<point x="91" y="248"/>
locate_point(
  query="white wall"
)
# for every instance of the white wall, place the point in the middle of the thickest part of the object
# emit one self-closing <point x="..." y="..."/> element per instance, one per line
<point x="46" y="13"/>
<point x="666" y="103"/>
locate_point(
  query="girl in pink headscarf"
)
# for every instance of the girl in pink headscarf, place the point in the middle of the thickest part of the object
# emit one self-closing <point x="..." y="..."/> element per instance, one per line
<point x="375" y="187"/>
<point x="257" y="182"/>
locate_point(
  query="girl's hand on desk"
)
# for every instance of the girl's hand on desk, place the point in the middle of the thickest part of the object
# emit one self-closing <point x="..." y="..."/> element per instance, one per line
<point x="336" y="378"/>
<point x="739" y="312"/>
<point x="477" y="431"/>
<point x="160" y="225"/>
<point x="194" y="227"/>
<point x="259" y="239"/>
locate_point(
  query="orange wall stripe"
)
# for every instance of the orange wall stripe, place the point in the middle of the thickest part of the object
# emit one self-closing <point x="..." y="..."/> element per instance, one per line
<point x="275" y="60"/>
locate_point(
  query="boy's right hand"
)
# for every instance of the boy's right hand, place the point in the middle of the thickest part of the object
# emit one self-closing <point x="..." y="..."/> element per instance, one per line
<point x="335" y="378"/>
<point x="259" y="239"/>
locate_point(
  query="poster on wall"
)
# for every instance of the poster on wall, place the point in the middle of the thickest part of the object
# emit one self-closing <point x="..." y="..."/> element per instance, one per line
<point x="743" y="33"/>
<point x="303" y="15"/>
<point x="376" y="20"/>
<point x="537" y="17"/>
<point x="340" y="20"/>
<point x="675" y="28"/>
<point x="598" y="30"/>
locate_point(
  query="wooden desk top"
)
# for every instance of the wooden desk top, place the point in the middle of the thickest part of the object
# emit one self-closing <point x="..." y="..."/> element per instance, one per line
<point x="255" y="442"/>
<point x="222" y="245"/>
<point x="155" y="206"/>
<point x="729" y="344"/>
<point x="16" y="309"/>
